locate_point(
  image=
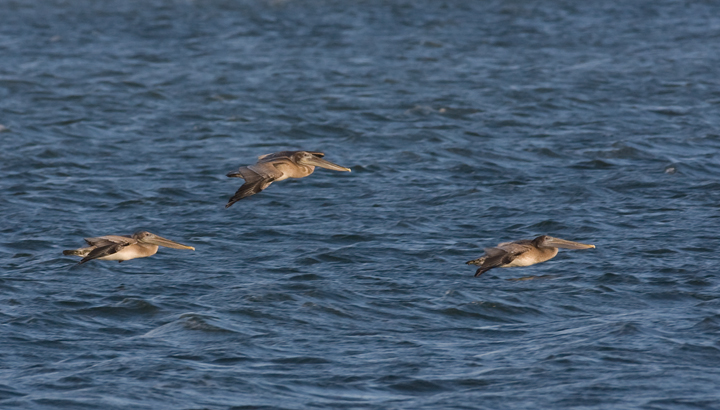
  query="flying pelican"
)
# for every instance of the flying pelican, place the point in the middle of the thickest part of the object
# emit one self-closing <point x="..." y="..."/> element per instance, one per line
<point x="122" y="248"/>
<point x="524" y="252"/>
<point x="277" y="167"/>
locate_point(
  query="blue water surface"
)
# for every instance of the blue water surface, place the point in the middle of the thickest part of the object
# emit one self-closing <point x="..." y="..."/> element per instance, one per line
<point x="466" y="124"/>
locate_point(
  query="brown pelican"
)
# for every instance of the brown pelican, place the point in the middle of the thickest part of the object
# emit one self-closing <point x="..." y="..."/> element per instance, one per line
<point x="524" y="252"/>
<point x="276" y="167"/>
<point x="122" y="248"/>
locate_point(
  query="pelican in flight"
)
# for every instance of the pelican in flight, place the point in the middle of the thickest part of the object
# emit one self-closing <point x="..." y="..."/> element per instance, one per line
<point x="122" y="248"/>
<point x="277" y="167"/>
<point x="524" y="252"/>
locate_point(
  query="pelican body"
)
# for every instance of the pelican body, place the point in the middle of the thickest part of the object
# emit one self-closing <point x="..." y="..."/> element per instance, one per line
<point x="524" y="252"/>
<point x="277" y="167"/>
<point x="122" y="248"/>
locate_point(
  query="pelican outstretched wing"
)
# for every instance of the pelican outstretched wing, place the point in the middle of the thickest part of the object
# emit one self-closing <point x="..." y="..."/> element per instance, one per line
<point x="257" y="177"/>
<point x="285" y="154"/>
<point x="108" y="240"/>
<point x="501" y="255"/>
<point x="497" y="259"/>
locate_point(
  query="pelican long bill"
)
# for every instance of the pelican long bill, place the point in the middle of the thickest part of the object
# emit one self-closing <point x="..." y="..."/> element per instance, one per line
<point x="565" y="244"/>
<point x="323" y="163"/>
<point x="160" y="241"/>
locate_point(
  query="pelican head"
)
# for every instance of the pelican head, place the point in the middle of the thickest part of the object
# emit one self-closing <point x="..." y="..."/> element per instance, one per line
<point x="152" y="239"/>
<point x="315" y="159"/>
<point x="546" y="241"/>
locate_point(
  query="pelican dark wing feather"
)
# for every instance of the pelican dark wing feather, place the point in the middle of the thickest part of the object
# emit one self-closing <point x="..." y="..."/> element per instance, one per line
<point x="499" y="257"/>
<point x="250" y="188"/>
<point x="101" y="251"/>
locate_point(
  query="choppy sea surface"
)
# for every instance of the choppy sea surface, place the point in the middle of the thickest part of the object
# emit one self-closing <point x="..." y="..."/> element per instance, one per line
<point x="466" y="124"/>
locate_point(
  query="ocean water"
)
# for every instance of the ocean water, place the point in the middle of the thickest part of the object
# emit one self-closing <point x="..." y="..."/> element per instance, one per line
<point x="466" y="124"/>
